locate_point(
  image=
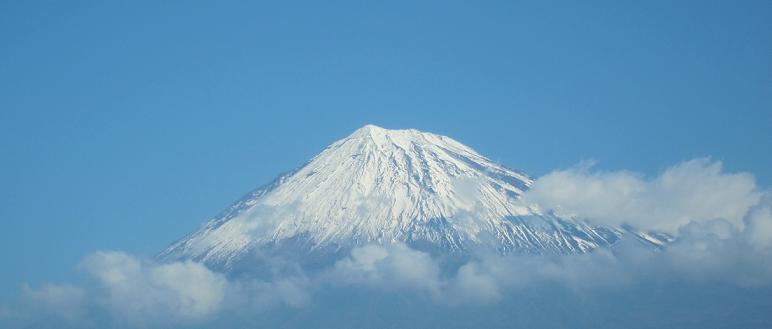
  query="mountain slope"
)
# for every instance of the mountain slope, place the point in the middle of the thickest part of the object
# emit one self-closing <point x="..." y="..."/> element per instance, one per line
<point x="390" y="186"/>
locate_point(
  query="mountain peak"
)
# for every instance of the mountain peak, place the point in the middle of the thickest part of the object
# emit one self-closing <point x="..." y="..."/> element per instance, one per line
<point x="368" y="128"/>
<point x="370" y="131"/>
<point x="387" y="142"/>
<point x="383" y="135"/>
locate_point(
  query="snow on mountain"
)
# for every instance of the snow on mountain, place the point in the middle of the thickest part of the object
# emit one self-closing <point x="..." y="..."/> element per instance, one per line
<point x="391" y="186"/>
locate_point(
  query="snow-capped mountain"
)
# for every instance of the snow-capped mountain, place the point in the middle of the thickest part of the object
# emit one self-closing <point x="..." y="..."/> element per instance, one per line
<point x="392" y="186"/>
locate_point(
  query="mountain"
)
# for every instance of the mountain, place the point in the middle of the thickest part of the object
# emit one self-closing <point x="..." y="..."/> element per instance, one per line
<point x="392" y="186"/>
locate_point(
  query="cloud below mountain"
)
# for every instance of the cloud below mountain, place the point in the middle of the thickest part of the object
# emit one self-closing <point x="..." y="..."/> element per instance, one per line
<point x="139" y="291"/>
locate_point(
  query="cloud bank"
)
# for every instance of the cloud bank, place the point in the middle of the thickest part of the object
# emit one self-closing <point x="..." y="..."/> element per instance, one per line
<point x="137" y="292"/>
<point x="695" y="190"/>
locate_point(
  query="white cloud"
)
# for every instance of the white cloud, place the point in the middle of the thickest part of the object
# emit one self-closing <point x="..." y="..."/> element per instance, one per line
<point x="715" y="250"/>
<point x="477" y="282"/>
<point x="391" y="266"/>
<point x="759" y="224"/>
<point x="489" y="279"/>
<point x="691" y="191"/>
<point x="144" y="292"/>
<point x="482" y="279"/>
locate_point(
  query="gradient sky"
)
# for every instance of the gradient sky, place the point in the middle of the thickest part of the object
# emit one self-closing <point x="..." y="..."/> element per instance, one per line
<point x="124" y="126"/>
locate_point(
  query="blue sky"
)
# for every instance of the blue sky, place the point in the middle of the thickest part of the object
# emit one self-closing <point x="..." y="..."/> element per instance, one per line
<point x="125" y="125"/>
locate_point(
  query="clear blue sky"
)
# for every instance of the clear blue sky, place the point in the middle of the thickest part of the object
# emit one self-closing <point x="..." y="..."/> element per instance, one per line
<point x="125" y="125"/>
